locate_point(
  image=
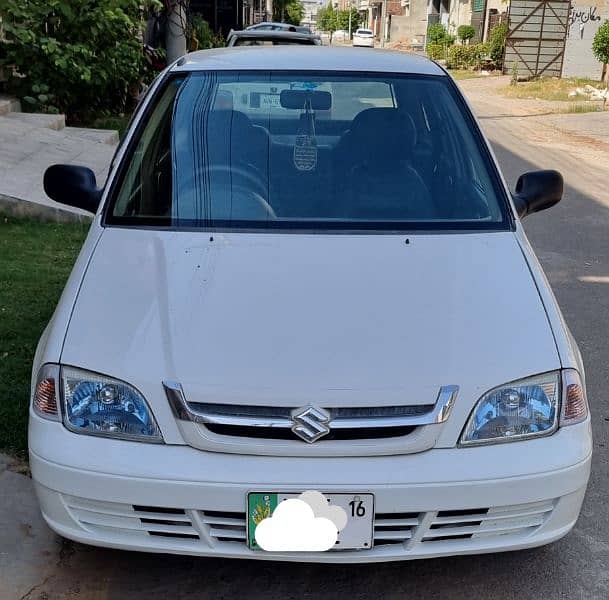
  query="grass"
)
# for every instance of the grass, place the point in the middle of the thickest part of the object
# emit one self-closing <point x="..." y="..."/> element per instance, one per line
<point x="35" y="261"/>
<point x="459" y="74"/>
<point x="581" y="108"/>
<point x="549" y="88"/>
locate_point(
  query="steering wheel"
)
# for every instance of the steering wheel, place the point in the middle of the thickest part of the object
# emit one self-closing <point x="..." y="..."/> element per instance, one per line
<point x="248" y="181"/>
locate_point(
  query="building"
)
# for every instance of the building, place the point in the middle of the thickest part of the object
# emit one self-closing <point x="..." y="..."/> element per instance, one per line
<point x="411" y="21"/>
<point x="311" y="8"/>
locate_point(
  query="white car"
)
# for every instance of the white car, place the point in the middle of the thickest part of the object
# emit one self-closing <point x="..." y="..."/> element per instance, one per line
<point x="363" y="37"/>
<point x="270" y="303"/>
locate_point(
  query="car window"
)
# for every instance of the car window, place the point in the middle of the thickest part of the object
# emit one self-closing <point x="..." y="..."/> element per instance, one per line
<point x="322" y="151"/>
<point x="147" y="185"/>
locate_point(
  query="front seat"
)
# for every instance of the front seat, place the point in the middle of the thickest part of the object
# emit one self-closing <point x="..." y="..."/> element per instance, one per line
<point x="374" y="169"/>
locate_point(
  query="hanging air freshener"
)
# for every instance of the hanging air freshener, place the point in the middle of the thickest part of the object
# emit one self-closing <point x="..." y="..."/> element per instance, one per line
<point x="305" y="146"/>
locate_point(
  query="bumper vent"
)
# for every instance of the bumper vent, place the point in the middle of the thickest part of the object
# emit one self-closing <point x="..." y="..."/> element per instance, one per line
<point x="485" y="522"/>
<point x="394" y="528"/>
<point x="225" y="526"/>
<point x="135" y="520"/>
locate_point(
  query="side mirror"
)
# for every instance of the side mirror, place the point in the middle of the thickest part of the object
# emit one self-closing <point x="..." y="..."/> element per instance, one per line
<point x="72" y="185"/>
<point x="537" y="190"/>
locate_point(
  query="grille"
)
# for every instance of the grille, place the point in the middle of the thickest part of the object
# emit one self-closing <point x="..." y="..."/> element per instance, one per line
<point x="394" y="528"/>
<point x="191" y="528"/>
<point x="135" y="520"/>
<point x="271" y="433"/>
<point x="225" y="526"/>
<point x="275" y="423"/>
<point x="485" y="522"/>
<point x="335" y="431"/>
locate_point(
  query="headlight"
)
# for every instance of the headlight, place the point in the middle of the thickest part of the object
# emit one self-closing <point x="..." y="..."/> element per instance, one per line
<point x="98" y="405"/>
<point x="519" y="410"/>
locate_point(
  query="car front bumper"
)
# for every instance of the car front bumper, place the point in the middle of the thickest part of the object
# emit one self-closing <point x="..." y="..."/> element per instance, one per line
<point x="175" y="499"/>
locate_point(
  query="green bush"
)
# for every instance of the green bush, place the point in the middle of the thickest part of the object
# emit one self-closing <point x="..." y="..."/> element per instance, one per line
<point x="600" y="45"/>
<point x="436" y="51"/>
<point x="200" y="36"/>
<point x="438" y="41"/>
<point x="496" y="41"/>
<point x="458" y="57"/>
<point x="465" y="57"/>
<point x="465" y="32"/>
<point x="436" y="33"/>
<point x="87" y="53"/>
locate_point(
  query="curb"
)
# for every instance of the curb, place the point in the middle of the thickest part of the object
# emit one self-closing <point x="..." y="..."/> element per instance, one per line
<point x="25" y="208"/>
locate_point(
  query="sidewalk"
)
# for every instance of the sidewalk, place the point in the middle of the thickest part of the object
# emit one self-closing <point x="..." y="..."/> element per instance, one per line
<point x="30" y="142"/>
<point x="541" y="116"/>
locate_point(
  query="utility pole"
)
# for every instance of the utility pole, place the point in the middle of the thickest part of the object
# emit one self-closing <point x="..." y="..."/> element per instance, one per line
<point x="349" y="21"/>
<point x="383" y="23"/>
<point x="269" y="10"/>
<point x="175" y="40"/>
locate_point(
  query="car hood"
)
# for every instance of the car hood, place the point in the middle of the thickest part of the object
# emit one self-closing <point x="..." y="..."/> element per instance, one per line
<point x="289" y="319"/>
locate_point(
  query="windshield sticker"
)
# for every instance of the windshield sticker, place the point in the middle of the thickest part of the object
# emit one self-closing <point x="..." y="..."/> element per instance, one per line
<point x="304" y="85"/>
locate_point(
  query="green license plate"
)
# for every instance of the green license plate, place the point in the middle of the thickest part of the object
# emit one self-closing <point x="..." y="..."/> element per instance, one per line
<point x="357" y="535"/>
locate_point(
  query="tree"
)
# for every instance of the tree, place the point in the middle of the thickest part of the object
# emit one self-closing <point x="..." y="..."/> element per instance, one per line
<point x="343" y="19"/>
<point x="465" y="33"/>
<point x="288" y="11"/>
<point x="295" y="12"/>
<point x="327" y="20"/>
<point x="600" y="47"/>
<point x="436" y="33"/>
<point x="497" y="42"/>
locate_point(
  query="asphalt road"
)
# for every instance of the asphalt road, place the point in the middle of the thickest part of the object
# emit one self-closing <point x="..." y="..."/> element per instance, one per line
<point x="572" y="241"/>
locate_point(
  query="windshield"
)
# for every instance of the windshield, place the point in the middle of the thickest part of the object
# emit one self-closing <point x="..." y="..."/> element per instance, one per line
<point x="322" y="151"/>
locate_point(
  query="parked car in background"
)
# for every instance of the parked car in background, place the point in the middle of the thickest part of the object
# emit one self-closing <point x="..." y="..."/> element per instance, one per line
<point x="363" y="37"/>
<point x="258" y="37"/>
<point x="272" y="26"/>
<point x="269" y="302"/>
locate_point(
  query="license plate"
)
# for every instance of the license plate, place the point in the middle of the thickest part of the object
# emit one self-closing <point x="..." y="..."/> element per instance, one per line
<point x="356" y="535"/>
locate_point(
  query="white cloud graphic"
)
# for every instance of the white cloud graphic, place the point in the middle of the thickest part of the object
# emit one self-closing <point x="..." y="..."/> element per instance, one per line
<point x="293" y="527"/>
<point x="321" y="508"/>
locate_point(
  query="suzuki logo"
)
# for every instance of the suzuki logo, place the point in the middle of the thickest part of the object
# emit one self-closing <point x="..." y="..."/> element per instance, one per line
<point x="310" y="423"/>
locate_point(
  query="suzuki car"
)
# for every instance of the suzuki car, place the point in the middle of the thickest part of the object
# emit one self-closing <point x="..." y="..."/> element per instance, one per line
<point x="306" y="274"/>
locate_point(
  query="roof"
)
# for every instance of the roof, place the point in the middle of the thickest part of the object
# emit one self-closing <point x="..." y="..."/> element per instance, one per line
<point x="307" y="58"/>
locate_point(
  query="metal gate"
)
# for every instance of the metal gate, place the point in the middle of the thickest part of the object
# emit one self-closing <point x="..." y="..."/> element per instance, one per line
<point x="536" y="37"/>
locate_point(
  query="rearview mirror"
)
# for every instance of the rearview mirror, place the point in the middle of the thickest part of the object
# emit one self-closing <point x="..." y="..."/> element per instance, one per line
<point x="72" y="185"/>
<point x="296" y="99"/>
<point x="537" y="190"/>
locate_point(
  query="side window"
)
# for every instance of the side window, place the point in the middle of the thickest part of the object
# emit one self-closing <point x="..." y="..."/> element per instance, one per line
<point x="146" y="186"/>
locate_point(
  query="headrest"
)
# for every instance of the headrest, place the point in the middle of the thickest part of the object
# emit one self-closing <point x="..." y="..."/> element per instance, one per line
<point x="228" y="120"/>
<point x="387" y="128"/>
